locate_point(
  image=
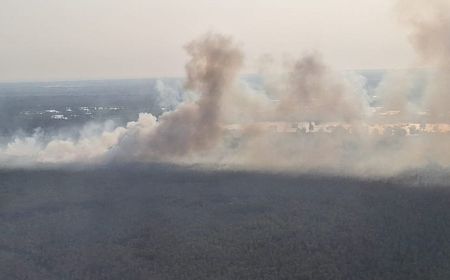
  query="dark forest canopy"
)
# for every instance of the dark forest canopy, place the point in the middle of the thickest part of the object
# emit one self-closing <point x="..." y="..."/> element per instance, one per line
<point x="167" y="222"/>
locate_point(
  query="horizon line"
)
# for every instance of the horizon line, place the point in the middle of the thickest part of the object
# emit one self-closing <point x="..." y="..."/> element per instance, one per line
<point x="67" y="80"/>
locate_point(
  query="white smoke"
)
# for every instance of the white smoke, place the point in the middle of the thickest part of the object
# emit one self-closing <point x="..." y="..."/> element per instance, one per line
<point x="306" y="116"/>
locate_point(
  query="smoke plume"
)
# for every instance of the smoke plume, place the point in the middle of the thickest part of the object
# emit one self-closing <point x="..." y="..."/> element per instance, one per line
<point x="429" y="25"/>
<point x="194" y="126"/>
<point x="304" y="117"/>
<point x="312" y="92"/>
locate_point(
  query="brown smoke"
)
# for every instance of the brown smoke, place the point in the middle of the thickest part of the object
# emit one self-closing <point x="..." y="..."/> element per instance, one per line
<point x="305" y="117"/>
<point x="429" y="24"/>
<point x="196" y="126"/>
<point x="312" y="92"/>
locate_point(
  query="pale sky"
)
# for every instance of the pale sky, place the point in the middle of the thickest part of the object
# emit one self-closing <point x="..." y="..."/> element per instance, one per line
<point x="95" y="39"/>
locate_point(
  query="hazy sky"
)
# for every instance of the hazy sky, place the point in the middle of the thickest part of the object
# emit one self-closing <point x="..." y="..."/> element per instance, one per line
<point x="91" y="39"/>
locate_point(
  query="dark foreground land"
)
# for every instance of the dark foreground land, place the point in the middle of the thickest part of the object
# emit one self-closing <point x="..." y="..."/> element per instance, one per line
<point x="156" y="222"/>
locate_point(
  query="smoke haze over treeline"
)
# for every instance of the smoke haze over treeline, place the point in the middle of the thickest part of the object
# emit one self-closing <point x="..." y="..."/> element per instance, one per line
<point x="305" y="116"/>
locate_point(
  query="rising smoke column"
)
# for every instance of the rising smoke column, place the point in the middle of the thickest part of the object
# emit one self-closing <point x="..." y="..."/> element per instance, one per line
<point x="194" y="126"/>
<point x="313" y="92"/>
<point x="429" y="24"/>
<point x="429" y="34"/>
<point x="307" y="91"/>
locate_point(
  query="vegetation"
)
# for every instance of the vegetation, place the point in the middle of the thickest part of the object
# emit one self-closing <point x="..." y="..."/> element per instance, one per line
<point x="161" y="222"/>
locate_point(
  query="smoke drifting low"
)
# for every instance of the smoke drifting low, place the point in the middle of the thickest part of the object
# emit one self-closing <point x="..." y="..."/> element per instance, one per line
<point x="306" y="117"/>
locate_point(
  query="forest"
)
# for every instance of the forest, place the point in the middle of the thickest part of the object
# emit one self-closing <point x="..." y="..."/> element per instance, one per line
<point x="153" y="221"/>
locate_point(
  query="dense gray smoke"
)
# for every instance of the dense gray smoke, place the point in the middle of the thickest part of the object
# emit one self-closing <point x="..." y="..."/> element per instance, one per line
<point x="194" y="126"/>
<point x="312" y="92"/>
<point x="305" y="117"/>
<point x="429" y="24"/>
